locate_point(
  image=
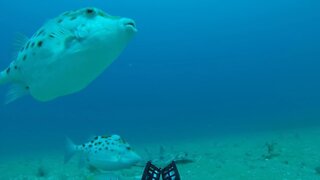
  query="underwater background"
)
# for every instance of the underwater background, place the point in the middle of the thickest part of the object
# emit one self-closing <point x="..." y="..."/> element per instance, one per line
<point x="195" y="69"/>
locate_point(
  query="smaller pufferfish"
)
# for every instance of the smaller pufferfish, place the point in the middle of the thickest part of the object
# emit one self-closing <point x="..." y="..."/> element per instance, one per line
<point x="66" y="54"/>
<point x="105" y="153"/>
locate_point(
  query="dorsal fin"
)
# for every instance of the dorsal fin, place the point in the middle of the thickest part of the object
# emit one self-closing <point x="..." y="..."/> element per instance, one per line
<point x="19" y="42"/>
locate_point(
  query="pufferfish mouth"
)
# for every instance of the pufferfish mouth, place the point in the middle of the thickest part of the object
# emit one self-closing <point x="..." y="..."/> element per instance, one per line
<point x="129" y="23"/>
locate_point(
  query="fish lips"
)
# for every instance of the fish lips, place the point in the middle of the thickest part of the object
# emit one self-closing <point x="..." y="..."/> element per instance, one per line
<point x="129" y="24"/>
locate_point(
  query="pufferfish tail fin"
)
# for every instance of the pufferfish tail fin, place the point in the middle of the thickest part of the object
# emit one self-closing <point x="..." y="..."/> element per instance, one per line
<point x="70" y="150"/>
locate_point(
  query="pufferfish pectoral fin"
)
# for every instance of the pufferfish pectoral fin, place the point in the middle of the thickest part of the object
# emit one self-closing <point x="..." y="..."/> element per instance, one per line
<point x="15" y="92"/>
<point x="67" y="38"/>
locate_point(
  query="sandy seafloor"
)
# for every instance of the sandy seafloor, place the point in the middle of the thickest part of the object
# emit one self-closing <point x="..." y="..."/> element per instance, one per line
<point x="290" y="155"/>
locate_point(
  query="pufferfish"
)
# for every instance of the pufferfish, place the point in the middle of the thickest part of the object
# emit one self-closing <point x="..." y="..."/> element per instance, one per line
<point x="105" y="153"/>
<point x="67" y="53"/>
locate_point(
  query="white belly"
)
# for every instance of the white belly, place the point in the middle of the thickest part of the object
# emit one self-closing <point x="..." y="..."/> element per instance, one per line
<point x="68" y="74"/>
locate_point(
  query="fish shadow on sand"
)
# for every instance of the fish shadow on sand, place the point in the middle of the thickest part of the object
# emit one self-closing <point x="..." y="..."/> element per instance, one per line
<point x="165" y="157"/>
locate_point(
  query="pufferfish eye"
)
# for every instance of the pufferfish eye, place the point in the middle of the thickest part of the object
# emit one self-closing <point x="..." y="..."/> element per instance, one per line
<point x="90" y="12"/>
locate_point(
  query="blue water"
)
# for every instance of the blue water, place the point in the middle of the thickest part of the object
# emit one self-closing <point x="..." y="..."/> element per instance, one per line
<point x="194" y="69"/>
